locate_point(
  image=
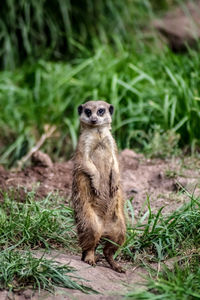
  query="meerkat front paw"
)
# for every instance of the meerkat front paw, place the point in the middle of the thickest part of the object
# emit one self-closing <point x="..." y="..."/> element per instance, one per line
<point x="113" y="190"/>
<point x="96" y="190"/>
<point x="95" y="184"/>
<point x="114" y="183"/>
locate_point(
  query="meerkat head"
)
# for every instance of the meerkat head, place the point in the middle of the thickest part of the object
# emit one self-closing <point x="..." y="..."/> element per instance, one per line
<point x="95" y="113"/>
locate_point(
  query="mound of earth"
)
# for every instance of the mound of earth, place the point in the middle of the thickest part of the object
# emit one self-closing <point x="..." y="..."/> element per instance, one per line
<point x="181" y="26"/>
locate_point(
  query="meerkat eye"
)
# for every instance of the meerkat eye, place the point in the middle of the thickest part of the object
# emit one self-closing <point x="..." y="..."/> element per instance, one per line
<point x="101" y="111"/>
<point x="88" y="112"/>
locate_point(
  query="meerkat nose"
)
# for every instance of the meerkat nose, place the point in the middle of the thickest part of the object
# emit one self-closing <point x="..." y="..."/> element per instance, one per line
<point x="94" y="120"/>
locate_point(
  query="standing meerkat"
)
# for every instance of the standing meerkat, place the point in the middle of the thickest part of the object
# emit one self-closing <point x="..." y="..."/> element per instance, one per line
<point x="96" y="192"/>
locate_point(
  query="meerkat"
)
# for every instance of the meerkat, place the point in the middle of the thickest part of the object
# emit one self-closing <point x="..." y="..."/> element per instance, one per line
<point x="96" y="191"/>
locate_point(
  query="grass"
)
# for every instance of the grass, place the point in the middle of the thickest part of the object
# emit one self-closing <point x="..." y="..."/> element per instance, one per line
<point x="155" y="98"/>
<point x="21" y="269"/>
<point x="58" y="30"/>
<point x="30" y="225"/>
<point x="179" y="282"/>
<point x="155" y="91"/>
<point x="158" y="237"/>
<point x="36" y="224"/>
<point x="48" y="224"/>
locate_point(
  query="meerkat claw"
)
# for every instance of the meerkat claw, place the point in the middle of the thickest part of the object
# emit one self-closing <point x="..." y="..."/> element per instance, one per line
<point x="90" y="262"/>
<point x="113" y="190"/>
<point x="119" y="269"/>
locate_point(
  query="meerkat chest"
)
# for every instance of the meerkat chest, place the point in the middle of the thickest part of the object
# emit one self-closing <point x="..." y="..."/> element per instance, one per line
<point x="102" y="154"/>
<point x="101" y="151"/>
<point x="99" y="148"/>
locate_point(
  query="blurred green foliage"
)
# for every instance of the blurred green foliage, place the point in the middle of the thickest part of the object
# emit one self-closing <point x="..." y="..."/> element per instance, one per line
<point x="58" y="29"/>
<point x="80" y="50"/>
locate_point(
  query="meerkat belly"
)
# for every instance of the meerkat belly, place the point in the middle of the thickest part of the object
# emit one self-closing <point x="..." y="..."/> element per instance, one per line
<point x="102" y="159"/>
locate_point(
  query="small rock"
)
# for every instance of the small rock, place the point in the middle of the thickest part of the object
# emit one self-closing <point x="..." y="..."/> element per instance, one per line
<point x="40" y="158"/>
<point x="28" y="294"/>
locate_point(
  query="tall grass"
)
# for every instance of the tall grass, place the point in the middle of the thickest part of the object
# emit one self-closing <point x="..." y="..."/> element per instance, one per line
<point x="59" y="29"/>
<point x="155" y="92"/>
<point x="36" y="224"/>
<point x="19" y="270"/>
<point x="29" y="225"/>
<point x="180" y="282"/>
<point x="160" y="236"/>
<point x="151" y="93"/>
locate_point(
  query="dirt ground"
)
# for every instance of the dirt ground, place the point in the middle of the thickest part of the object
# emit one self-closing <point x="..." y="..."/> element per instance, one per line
<point x="165" y="182"/>
<point x="162" y="180"/>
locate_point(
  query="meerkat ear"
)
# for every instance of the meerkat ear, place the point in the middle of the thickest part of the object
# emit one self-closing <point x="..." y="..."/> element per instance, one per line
<point x="111" y="109"/>
<point x="80" y="109"/>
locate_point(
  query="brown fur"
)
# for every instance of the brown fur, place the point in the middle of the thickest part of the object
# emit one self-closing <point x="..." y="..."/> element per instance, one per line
<point x="96" y="193"/>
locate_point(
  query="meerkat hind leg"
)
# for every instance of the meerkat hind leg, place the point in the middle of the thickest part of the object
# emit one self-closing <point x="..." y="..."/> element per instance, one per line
<point x="89" y="248"/>
<point x="109" y="250"/>
<point x="89" y="257"/>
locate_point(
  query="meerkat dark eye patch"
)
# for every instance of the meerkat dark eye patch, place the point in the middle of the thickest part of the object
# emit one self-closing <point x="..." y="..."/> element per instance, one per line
<point x="101" y="112"/>
<point x="80" y="109"/>
<point x="88" y="112"/>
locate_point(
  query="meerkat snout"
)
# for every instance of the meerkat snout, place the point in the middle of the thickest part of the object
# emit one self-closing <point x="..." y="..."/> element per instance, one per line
<point x="94" y="120"/>
<point x="95" y="113"/>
